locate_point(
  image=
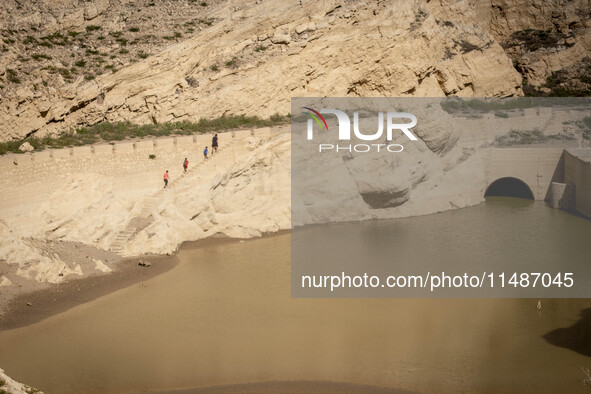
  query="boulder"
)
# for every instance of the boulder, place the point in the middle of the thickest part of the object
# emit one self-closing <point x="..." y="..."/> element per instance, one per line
<point x="96" y="8"/>
<point x="26" y="147"/>
<point x="279" y="38"/>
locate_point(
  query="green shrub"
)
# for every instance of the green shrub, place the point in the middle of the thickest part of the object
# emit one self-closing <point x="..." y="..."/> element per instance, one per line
<point x="152" y="156"/>
<point x="90" y="28"/>
<point x="500" y="114"/>
<point x="524" y="137"/>
<point x="80" y="63"/>
<point x="532" y="39"/>
<point x="276" y="117"/>
<point x="29" y="40"/>
<point x="260" y="48"/>
<point x="65" y="73"/>
<point x="134" y="29"/>
<point x="231" y="63"/>
<point x="214" y="67"/>
<point x="12" y="76"/>
<point x="37" y="56"/>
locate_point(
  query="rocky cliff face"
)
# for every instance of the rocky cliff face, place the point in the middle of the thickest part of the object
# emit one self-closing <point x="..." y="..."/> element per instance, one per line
<point x="543" y="38"/>
<point x="71" y="63"/>
<point x="249" y="57"/>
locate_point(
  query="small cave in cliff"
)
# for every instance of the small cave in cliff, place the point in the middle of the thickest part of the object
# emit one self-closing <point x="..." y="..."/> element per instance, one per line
<point x="385" y="199"/>
<point x="509" y="187"/>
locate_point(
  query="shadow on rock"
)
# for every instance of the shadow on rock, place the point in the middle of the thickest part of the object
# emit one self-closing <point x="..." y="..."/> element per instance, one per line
<point x="576" y="337"/>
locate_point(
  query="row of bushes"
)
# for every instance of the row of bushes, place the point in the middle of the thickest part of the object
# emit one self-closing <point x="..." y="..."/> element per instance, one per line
<point x="526" y="137"/>
<point x="457" y="105"/>
<point x="118" y="131"/>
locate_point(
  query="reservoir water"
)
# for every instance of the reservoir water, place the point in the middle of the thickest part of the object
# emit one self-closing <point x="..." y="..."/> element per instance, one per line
<point x="225" y="315"/>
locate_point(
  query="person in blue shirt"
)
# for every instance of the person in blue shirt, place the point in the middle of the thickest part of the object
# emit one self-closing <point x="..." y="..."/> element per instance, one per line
<point x="205" y="153"/>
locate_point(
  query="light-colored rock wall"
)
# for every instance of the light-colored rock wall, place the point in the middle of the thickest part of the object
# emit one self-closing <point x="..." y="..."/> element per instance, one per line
<point x="577" y="165"/>
<point x="93" y="194"/>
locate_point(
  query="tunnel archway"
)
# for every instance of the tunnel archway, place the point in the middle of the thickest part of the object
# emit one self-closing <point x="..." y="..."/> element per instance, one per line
<point x="509" y="187"/>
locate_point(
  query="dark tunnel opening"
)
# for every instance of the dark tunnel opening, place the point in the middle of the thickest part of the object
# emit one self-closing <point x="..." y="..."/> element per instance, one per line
<point x="509" y="187"/>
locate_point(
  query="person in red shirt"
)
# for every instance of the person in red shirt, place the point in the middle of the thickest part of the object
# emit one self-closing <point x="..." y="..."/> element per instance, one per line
<point x="166" y="178"/>
<point x="186" y="164"/>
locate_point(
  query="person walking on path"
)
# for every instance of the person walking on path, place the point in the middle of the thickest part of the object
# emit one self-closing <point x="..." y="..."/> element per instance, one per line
<point x="205" y="153"/>
<point x="214" y="144"/>
<point x="166" y="178"/>
<point x="186" y="164"/>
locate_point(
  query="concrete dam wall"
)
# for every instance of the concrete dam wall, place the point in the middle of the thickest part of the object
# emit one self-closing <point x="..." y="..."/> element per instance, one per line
<point x="577" y="172"/>
<point x="536" y="167"/>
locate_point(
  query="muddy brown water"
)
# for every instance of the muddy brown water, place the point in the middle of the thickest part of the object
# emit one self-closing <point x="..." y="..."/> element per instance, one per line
<point x="225" y="316"/>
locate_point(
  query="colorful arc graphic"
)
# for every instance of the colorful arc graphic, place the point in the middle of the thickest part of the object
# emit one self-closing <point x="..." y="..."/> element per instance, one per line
<point x="315" y="117"/>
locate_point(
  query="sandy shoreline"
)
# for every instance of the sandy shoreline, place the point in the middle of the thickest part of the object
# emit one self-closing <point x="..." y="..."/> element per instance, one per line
<point x="61" y="297"/>
<point x="56" y="298"/>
